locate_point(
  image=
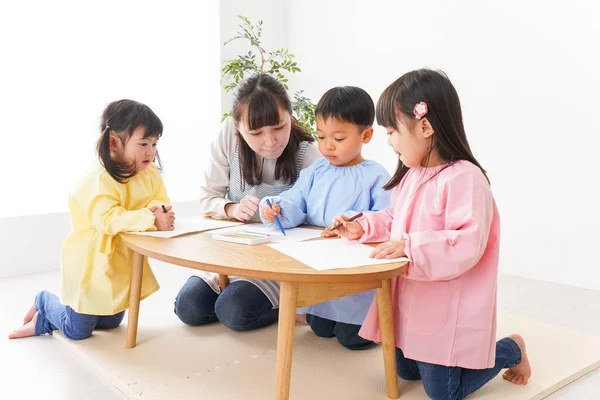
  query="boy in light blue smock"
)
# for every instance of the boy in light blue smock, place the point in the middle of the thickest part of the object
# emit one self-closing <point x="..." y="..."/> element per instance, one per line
<point x="342" y="182"/>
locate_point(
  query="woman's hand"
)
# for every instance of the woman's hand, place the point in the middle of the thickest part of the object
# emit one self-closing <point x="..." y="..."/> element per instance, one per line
<point x="269" y="213"/>
<point x="244" y="210"/>
<point x="349" y="229"/>
<point x="164" y="221"/>
<point x="389" y="250"/>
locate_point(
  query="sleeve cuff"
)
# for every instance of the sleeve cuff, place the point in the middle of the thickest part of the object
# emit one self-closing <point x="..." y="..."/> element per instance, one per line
<point x="362" y="221"/>
<point x="217" y="210"/>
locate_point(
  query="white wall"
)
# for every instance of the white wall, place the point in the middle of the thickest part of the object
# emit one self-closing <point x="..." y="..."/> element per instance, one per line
<point x="62" y="62"/>
<point x="528" y="75"/>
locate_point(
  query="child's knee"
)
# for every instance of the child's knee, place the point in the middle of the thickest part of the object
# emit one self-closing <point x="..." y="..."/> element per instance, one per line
<point x="355" y="343"/>
<point x="441" y="391"/>
<point x="111" y="322"/>
<point x="407" y="375"/>
<point x="77" y="334"/>
<point x="320" y="326"/>
<point x="347" y="335"/>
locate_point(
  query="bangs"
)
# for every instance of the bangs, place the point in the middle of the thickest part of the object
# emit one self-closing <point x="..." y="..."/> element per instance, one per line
<point x="153" y="127"/>
<point x="263" y="110"/>
<point x="386" y="110"/>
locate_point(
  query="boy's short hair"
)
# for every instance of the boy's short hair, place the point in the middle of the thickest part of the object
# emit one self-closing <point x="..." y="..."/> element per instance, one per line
<point x="349" y="104"/>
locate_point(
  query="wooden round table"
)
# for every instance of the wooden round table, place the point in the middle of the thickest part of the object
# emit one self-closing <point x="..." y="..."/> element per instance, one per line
<point x="300" y="286"/>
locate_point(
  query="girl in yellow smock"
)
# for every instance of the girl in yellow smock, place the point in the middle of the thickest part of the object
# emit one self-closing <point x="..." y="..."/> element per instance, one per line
<point x="123" y="192"/>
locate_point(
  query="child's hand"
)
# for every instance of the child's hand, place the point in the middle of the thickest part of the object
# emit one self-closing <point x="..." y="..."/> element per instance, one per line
<point x="389" y="250"/>
<point x="269" y="213"/>
<point x="328" y="233"/>
<point x="244" y="210"/>
<point x="164" y="221"/>
<point x="350" y="229"/>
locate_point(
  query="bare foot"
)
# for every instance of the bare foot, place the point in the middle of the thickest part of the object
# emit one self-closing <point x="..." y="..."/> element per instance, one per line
<point x="29" y="316"/>
<point x="301" y="319"/>
<point x="26" y="330"/>
<point x="520" y="374"/>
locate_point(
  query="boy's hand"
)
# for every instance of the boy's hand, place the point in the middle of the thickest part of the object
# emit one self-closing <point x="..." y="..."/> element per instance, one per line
<point x="350" y="229"/>
<point x="164" y="221"/>
<point x="269" y="213"/>
<point x="244" y="210"/>
<point x="389" y="250"/>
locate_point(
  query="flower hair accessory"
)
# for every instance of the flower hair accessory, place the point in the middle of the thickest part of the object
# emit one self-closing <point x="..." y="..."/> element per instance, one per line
<point x="420" y="110"/>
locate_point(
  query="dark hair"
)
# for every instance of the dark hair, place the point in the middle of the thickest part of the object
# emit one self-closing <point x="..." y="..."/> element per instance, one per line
<point x="256" y="101"/>
<point x="122" y="117"/>
<point x="349" y="104"/>
<point x="444" y="114"/>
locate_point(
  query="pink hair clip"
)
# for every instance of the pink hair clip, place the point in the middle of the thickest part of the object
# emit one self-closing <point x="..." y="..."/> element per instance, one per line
<point x="420" y="110"/>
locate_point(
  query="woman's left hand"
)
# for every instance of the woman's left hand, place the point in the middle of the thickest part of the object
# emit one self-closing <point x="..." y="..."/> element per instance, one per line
<point x="389" y="250"/>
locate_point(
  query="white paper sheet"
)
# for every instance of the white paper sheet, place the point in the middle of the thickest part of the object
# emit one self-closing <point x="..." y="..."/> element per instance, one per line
<point x="291" y="234"/>
<point x="331" y="254"/>
<point x="185" y="225"/>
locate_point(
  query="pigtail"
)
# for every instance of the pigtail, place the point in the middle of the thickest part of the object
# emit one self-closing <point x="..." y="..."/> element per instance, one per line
<point x="120" y="172"/>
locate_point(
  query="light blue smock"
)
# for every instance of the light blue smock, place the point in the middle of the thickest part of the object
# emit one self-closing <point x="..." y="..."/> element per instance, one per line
<point x="322" y="192"/>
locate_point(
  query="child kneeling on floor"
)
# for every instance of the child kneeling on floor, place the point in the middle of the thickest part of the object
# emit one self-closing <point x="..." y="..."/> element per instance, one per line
<point x="123" y="192"/>
<point x="443" y="217"/>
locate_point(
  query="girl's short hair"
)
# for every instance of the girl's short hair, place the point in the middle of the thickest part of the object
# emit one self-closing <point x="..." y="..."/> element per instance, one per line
<point x="256" y="102"/>
<point x="397" y="103"/>
<point x="123" y="117"/>
<point x="349" y="104"/>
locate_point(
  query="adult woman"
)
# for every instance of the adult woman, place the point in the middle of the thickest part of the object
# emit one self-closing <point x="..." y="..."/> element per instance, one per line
<point x="259" y="152"/>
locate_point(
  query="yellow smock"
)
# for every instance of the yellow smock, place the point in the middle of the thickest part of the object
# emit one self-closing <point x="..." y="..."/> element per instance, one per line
<point x="96" y="264"/>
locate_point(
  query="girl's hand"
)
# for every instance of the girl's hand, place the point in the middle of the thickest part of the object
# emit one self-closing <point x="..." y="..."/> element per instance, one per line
<point x="389" y="250"/>
<point x="269" y="213"/>
<point x="327" y="233"/>
<point x="244" y="210"/>
<point x="349" y="229"/>
<point x="164" y="221"/>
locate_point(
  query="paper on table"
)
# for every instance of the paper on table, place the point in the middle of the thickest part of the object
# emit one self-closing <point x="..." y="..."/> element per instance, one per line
<point x="331" y="254"/>
<point x="291" y="234"/>
<point x="185" y="225"/>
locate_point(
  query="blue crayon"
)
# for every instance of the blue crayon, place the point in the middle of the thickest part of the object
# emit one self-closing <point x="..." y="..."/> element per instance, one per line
<point x="276" y="219"/>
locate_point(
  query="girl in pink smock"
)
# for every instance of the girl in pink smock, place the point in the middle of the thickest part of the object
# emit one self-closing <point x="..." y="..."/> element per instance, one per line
<point x="443" y="217"/>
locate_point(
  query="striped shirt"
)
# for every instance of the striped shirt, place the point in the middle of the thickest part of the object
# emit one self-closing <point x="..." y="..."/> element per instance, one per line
<point x="223" y="184"/>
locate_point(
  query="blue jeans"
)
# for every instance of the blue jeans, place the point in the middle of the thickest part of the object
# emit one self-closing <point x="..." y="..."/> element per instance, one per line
<point x="455" y="383"/>
<point x="346" y="334"/>
<point x="53" y="315"/>
<point x="241" y="306"/>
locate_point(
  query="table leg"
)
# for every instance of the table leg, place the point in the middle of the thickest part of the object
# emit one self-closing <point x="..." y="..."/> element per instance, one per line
<point x="223" y="281"/>
<point x="135" y="289"/>
<point x="386" y="325"/>
<point x="285" y="339"/>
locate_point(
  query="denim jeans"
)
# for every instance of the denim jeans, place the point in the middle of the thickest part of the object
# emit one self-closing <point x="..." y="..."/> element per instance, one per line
<point x="52" y="315"/>
<point x="455" y="383"/>
<point x="346" y="334"/>
<point x="241" y="306"/>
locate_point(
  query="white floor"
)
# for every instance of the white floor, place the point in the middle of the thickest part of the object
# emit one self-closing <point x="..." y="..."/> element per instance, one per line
<point x="43" y="368"/>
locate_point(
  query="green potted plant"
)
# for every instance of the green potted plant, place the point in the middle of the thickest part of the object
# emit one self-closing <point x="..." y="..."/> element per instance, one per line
<point x="276" y="63"/>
